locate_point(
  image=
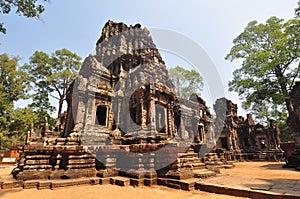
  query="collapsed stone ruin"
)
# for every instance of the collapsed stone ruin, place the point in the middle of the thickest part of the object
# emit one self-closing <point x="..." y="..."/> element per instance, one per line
<point x="124" y="118"/>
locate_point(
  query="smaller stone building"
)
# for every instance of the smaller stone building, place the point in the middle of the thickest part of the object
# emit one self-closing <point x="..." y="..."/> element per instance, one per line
<point x="242" y="138"/>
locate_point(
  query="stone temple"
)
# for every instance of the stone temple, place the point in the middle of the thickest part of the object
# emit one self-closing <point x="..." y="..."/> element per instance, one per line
<point x="124" y="119"/>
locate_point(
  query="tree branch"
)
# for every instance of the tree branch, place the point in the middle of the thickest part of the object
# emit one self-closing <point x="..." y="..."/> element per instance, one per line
<point x="294" y="78"/>
<point x="54" y="96"/>
<point x="55" y="87"/>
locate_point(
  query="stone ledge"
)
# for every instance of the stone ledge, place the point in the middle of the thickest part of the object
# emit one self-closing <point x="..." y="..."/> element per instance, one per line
<point x="241" y="192"/>
<point x="187" y="184"/>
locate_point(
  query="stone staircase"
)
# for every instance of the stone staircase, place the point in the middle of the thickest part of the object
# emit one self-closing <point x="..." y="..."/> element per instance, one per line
<point x="67" y="159"/>
<point x="213" y="162"/>
<point x="184" y="172"/>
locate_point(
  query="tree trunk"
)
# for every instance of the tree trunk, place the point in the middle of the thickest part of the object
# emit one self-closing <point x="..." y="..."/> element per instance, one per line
<point x="60" y="104"/>
<point x="285" y="93"/>
<point x="292" y="121"/>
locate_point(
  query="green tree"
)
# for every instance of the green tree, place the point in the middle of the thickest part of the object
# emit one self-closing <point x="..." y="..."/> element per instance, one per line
<point x="265" y="110"/>
<point x="26" y="8"/>
<point x="270" y="67"/>
<point x="21" y="120"/>
<point x="13" y="87"/>
<point x="51" y="75"/>
<point x="186" y="81"/>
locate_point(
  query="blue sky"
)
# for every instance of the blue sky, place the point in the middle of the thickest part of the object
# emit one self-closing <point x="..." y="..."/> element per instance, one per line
<point x="76" y="25"/>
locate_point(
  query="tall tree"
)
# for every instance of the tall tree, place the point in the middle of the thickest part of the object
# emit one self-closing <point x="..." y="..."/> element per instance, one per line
<point x="265" y="111"/>
<point x="13" y="87"/>
<point x="26" y="8"/>
<point x="21" y="120"/>
<point x="186" y="81"/>
<point x="51" y="75"/>
<point x="271" y="65"/>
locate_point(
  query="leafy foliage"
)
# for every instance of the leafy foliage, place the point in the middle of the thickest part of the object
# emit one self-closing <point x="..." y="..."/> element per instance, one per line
<point x="26" y="8"/>
<point x="13" y="87"/>
<point x="270" y="67"/>
<point x="186" y="81"/>
<point x="51" y="76"/>
<point x="265" y="110"/>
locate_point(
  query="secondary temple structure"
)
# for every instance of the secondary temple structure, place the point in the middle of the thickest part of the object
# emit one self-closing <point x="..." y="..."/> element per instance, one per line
<point x="124" y="118"/>
<point x="242" y="138"/>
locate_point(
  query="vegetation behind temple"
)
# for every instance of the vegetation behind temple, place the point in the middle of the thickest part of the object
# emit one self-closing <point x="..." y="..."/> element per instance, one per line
<point x="44" y="76"/>
<point x="186" y="82"/>
<point x="270" y="49"/>
<point x="270" y="68"/>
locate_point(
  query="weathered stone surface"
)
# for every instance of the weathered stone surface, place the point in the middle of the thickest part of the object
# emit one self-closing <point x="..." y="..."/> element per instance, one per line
<point x="294" y="124"/>
<point x="244" y="139"/>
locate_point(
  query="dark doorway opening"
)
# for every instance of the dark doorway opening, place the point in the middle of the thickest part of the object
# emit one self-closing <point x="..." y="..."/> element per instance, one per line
<point x="262" y="144"/>
<point x="224" y="143"/>
<point x="101" y="115"/>
<point x="136" y="114"/>
<point x="160" y="118"/>
<point x="246" y="142"/>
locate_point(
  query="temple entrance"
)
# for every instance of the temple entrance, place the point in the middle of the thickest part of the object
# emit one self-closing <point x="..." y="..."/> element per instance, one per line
<point x="246" y="142"/>
<point x="101" y="115"/>
<point x="160" y="118"/>
<point x="224" y="143"/>
<point x="201" y="133"/>
<point x="262" y="144"/>
<point x="136" y="114"/>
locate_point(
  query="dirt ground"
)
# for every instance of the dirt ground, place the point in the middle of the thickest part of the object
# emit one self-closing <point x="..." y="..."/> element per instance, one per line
<point x="265" y="170"/>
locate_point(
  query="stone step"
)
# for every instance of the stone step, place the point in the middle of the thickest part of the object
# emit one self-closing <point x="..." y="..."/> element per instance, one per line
<point x="187" y="184"/>
<point x="66" y="183"/>
<point x="188" y="159"/>
<point x="199" y="165"/>
<point x="203" y="173"/>
<point x="187" y="155"/>
<point x="226" y="166"/>
<point x="120" y="181"/>
<point x="11" y="184"/>
<point x="30" y="184"/>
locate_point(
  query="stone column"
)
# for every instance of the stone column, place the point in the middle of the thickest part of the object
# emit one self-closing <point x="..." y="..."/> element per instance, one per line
<point x="169" y="120"/>
<point x="151" y="111"/>
<point x="143" y="112"/>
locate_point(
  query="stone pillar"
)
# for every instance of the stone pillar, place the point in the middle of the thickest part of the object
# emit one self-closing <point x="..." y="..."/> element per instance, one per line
<point x="143" y="111"/>
<point x="151" y="111"/>
<point x="169" y="120"/>
<point x="79" y="115"/>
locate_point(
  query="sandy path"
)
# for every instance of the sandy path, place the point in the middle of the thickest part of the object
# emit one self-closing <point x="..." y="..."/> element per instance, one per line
<point x="109" y="192"/>
<point x="265" y="170"/>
